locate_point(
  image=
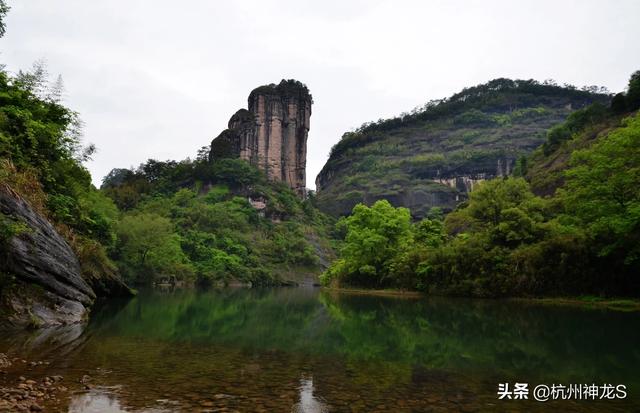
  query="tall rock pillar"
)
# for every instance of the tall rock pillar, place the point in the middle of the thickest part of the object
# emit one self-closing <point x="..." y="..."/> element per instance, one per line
<point x="272" y="133"/>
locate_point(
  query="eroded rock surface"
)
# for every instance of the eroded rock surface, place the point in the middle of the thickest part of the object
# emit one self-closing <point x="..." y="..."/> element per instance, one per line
<point x="42" y="283"/>
<point x="272" y="133"/>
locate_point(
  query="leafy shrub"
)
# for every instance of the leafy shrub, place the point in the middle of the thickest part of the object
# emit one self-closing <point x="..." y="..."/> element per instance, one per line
<point x="577" y="121"/>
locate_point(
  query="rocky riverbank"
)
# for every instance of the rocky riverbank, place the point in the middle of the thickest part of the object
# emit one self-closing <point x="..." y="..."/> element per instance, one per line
<point x="29" y="392"/>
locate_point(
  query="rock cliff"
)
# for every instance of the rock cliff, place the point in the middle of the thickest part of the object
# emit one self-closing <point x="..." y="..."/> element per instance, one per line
<point x="272" y="133"/>
<point x="40" y="277"/>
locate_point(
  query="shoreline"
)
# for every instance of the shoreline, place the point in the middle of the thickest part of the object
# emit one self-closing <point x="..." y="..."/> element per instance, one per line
<point x="374" y="292"/>
<point x="615" y="303"/>
<point x="32" y="386"/>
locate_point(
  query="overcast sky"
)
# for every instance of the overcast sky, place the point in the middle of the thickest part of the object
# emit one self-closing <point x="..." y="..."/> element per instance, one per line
<point x="160" y="79"/>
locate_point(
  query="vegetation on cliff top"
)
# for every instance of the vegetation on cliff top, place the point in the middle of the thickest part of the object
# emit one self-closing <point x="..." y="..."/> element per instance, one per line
<point x="506" y="240"/>
<point x="286" y="87"/>
<point x="413" y="160"/>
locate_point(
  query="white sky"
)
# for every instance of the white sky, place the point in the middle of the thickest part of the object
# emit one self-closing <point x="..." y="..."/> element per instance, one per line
<point x="159" y="79"/>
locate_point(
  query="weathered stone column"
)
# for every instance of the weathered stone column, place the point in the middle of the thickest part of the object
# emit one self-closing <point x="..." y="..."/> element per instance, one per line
<point x="272" y="133"/>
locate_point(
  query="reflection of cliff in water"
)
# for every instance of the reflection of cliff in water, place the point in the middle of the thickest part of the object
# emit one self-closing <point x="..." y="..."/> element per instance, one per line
<point x="52" y="342"/>
<point x="59" y="342"/>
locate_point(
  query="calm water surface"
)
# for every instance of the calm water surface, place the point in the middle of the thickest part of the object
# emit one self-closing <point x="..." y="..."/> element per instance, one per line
<point x="303" y="350"/>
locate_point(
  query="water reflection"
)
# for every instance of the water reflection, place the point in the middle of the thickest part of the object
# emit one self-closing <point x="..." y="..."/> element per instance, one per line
<point x="104" y="401"/>
<point x="53" y="341"/>
<point x="505" y="338"/>
<point x="95" y="401"/>
<point x="308" y="402"/>
<point x="304" y="351"/>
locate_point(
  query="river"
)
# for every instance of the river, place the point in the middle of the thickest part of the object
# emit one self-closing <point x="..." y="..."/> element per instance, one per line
<point x="307" y="350"/>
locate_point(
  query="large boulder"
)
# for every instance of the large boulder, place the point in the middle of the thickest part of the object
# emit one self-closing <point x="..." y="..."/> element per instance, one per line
<point x="41" y="282"/>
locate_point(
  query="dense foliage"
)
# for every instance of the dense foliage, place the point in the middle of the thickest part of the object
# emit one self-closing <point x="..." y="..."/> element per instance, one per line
<point x="380" y="242"/>
<point x="577" y="121"/>
<point x="629" y="100"/>
<point x="506" y="240"/>
<point x="212" y="222"/>
<point x="41" y="159"/>
<point x="603" y="191"/>
<point x="4" y="9"/>
<point x="546" y="167"/>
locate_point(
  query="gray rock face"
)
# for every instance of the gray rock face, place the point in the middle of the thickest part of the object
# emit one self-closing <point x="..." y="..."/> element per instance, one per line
<point x="40" y="257"/>
<point x="27" y="305"/>
<point x="272" y="133"/>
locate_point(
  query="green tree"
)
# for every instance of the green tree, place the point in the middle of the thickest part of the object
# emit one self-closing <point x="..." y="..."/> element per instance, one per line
<point x="373" y="237"/>
<point x="633" y="91"/>
<point x="619" y="103"/>
<point x="487" y="202"/>
<point x="521" y="167"/>
<point x="576" y="122"/>
<point x="148" y="247"/>
<point x="603" y="189"/>
<point x="140" y="234"/>
<point x="4" y="9"/>
<point x="429" y="232"/>
<point x="42" y="155"/>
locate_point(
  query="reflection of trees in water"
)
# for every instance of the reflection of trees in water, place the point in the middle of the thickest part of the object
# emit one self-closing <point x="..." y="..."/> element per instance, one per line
<point x="382" y="337"/>
<point x="506" y="338"/>
<point x="259" y="337"/>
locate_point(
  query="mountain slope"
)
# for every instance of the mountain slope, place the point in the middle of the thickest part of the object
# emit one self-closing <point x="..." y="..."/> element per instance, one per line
<point x="433" y="156"/>
<point x="567" y="225"/>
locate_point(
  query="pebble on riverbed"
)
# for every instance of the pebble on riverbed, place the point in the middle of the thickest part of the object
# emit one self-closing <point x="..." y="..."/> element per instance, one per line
<point x="28" y="395"/>
<point x="4" y="361"/>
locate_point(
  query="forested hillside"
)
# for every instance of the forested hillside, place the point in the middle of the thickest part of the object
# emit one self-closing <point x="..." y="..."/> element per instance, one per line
<point x="213" y="222"/>
<point x="570" y="226"/>
<point x="433" y="156"/>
